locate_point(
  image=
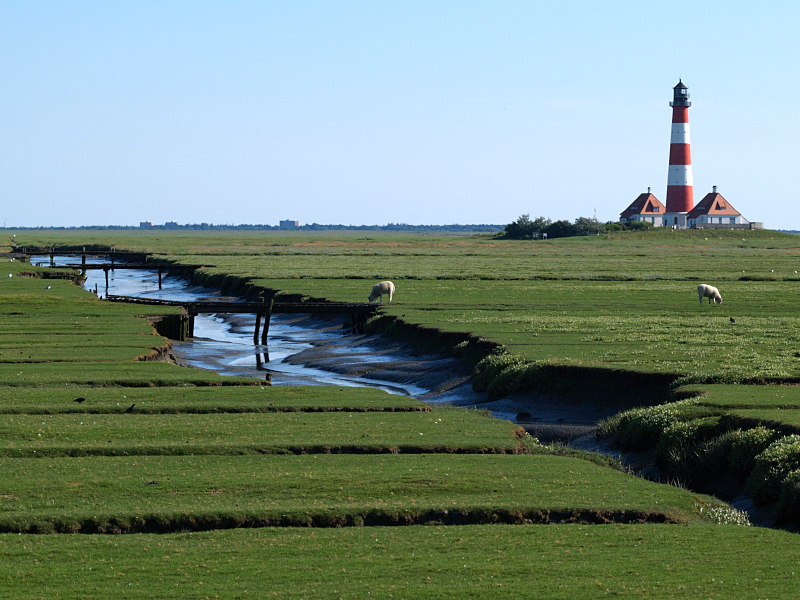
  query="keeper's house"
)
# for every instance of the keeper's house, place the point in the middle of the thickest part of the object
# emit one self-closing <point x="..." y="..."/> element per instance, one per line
<point x="646" y="208"/>
<point x="714" y="212"/>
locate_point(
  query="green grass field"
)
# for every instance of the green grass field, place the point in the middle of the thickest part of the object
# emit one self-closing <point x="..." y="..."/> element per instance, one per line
<point x="440" y="430"/>
<point x="204" y="399"/>
<point x="171" y="493"/>
<point x="485" y="561"/>
<point x="203" y="451"/>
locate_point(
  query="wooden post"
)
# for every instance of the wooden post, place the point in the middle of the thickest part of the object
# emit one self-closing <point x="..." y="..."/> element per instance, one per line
<point x="267" y="318"/>
<point x="83" y="259"/>
<point x="258" y="327"/>
<point x="106" y="272"/>
<point x="159" y="279"/>
<point x="52" y="262"/>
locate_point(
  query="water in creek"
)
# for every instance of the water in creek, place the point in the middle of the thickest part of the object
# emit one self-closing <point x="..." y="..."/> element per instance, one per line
<point x="300" y="350"/>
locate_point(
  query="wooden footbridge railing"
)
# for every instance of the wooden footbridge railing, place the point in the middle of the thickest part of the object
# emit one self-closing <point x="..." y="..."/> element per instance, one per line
<point x="111" y="266"/>
<point x="359" y="311"/>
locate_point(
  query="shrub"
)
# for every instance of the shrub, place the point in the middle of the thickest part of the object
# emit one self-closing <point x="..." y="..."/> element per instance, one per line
<point x="641" y="428"/>
<point x="676" y="449"/>
<point x="501" y="373"/>
<point x="735" y="451"/>
<point x="788" y="508"/>
<point x="514" y="378"/>
<point x="771" y="468"/>
<point x="746" y="445"/>
<point x="680" y="450"/>
<point x="491" y="366"/>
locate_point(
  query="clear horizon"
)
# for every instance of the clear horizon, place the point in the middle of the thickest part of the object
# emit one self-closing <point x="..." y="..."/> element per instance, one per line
<point x="414" y="112"/>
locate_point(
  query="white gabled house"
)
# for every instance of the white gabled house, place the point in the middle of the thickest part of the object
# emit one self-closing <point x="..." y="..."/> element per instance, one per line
<point x="645" y="208"/>
<point x="714" y="212"/>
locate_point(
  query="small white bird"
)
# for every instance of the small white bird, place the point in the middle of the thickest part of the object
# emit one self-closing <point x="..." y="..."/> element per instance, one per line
<point x="10" y="275"/>
<point x="772" y="270"/>
<point x="47" y="288"/>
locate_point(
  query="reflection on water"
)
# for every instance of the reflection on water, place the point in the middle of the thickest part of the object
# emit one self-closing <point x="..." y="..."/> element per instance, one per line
<point x="224" y="343"/>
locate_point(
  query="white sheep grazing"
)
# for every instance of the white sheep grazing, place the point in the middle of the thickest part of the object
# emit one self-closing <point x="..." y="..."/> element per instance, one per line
<point x="379" y="289"/>
<point x="709" y="291"/>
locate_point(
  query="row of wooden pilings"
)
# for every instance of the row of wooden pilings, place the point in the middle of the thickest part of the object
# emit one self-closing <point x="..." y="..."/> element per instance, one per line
<point x="266" y="314"/>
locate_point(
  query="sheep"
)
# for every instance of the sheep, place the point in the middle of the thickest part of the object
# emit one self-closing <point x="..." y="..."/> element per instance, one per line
<point x="379" y="289"/>
<point x="709" y="291"/>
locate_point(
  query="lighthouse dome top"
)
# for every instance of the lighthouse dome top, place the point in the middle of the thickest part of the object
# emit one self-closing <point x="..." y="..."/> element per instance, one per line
<point x="680" y="96"/>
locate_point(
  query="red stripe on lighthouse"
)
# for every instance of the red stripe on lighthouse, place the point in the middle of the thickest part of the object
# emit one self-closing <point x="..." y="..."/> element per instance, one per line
<point x="680" y="198"/>
<point x="680" y="154"/>
<point x="680" y="114"/>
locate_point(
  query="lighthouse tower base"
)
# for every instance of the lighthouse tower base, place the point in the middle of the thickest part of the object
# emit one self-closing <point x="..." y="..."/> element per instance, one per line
<point x="675" y="220"/>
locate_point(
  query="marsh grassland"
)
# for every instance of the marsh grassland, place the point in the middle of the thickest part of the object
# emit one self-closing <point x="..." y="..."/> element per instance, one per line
<point x="126" y="476"/>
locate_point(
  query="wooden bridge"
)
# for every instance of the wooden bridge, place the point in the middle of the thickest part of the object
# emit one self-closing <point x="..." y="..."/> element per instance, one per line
<point x="106" y="267"/>
<point x="111" y="255"/>
<point x="83" y="266"/>
<point x="359" y="311"/>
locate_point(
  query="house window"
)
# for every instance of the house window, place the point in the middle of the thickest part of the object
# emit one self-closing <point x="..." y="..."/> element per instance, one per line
<point x="655" y="209"/>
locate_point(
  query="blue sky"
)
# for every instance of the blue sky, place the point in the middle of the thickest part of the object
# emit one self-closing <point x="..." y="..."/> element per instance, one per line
<point x="382" y="111"/>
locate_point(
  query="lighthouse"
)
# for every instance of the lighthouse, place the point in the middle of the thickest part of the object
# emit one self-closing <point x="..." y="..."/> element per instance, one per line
<point x="680" y="195"/>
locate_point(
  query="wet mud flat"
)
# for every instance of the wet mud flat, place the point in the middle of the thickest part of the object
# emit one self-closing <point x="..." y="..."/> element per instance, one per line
<point x="309" y="350"/>
<point x="554" y="420"/>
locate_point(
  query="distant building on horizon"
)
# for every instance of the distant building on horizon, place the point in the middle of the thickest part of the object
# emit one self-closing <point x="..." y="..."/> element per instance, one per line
<point x="288" y="224"/>
<point x="146" y="224"/>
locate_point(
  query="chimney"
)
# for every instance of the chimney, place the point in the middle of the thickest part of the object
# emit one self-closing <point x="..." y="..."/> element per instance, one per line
<point x="713" y="189"/>
<point x="648" y="190"/>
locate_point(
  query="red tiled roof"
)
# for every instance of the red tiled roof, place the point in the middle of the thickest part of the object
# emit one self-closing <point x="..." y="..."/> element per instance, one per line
<point x="712" y="204"/>
<point x="643" y="205"/>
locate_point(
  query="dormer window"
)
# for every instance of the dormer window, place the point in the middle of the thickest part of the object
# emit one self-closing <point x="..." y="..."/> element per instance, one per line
<point x="655" y="209"/>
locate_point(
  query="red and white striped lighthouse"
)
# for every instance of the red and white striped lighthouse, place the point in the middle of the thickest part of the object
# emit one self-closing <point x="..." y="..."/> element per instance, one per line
<point x="680" y="194"/>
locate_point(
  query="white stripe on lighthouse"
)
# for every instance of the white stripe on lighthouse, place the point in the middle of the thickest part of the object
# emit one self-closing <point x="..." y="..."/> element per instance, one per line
<point x="679" y="175"/>
<point x="680" y="133"/>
